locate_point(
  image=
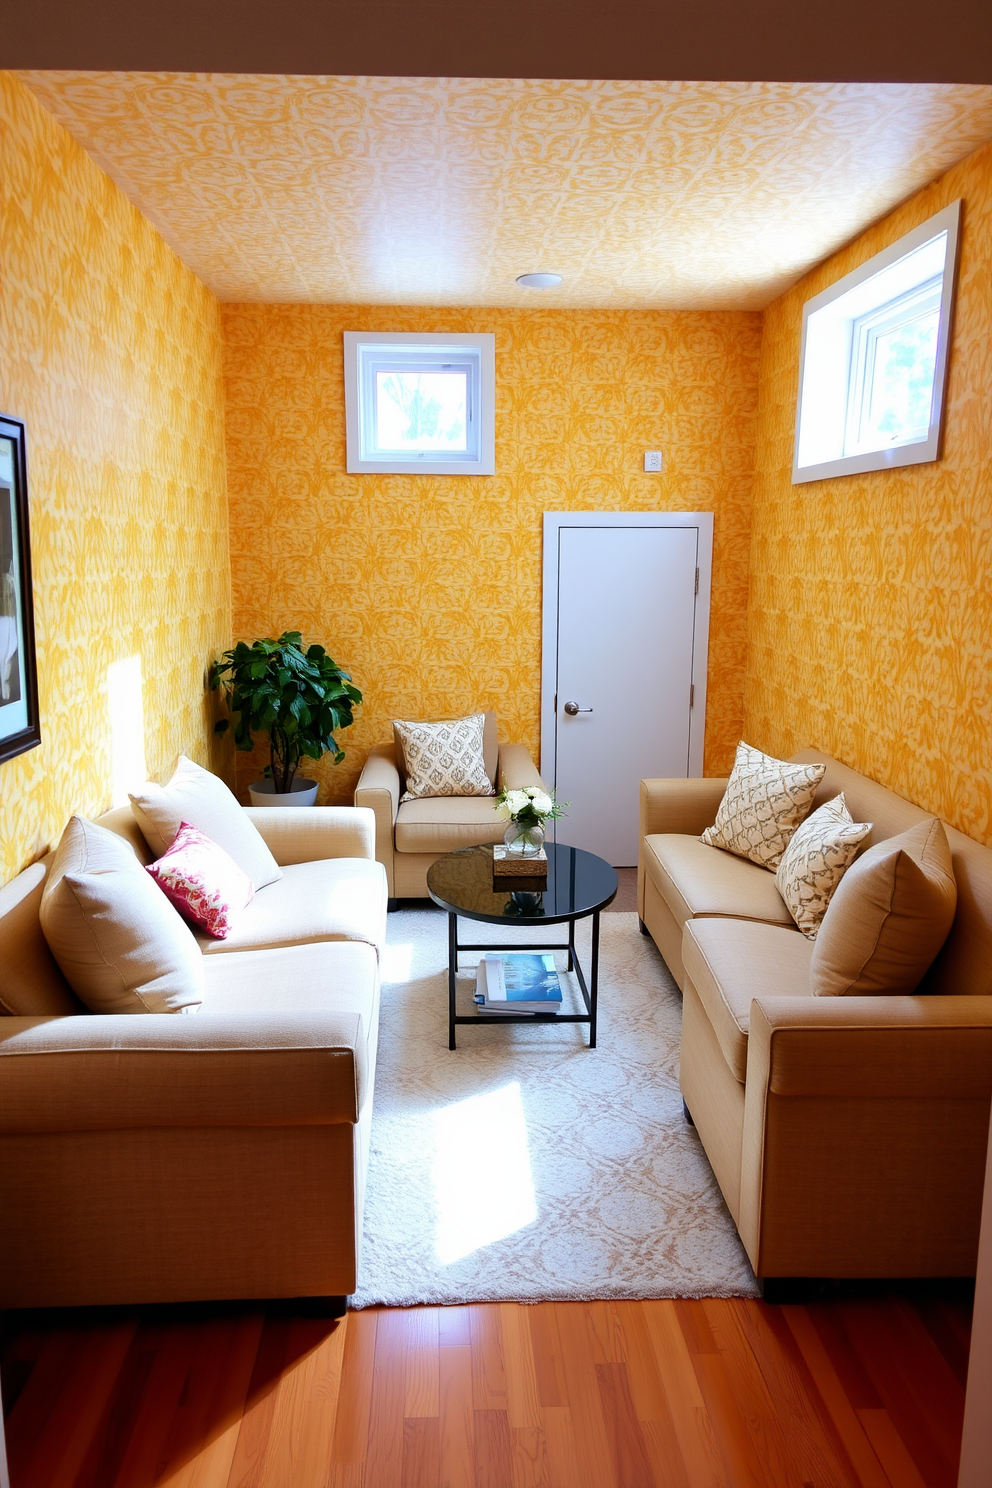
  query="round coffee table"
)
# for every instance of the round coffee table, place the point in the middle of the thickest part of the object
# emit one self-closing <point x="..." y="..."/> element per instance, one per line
<point x="579" y="884"/>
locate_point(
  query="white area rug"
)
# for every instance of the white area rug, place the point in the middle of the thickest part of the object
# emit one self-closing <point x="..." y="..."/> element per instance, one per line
<point x="524" y="1166"/>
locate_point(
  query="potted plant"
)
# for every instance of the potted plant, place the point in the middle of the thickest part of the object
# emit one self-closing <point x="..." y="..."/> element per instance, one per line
<point x="300" y="699"/>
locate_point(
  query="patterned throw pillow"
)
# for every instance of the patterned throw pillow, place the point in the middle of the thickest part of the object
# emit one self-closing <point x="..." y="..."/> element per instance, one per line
<point x="203" y="881"/>
<point x="820" y="851"/>
<point x="764" y="803"/>
<point x="444" y="759"/>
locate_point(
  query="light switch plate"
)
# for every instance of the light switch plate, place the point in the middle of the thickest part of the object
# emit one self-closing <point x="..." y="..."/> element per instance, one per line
<point x="652" y="461"/>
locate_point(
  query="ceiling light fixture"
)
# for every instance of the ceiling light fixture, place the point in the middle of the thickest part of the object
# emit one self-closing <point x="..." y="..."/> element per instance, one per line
<point x="538" y="281"/>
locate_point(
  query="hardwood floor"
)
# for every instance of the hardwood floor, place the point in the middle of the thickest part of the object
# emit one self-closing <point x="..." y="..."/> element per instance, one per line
<point x="626" y="900"/>
<point x="862" y="1389"/>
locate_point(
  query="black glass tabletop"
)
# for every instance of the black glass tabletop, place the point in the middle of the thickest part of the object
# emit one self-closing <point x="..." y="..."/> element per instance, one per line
<point x="578" y="883"/>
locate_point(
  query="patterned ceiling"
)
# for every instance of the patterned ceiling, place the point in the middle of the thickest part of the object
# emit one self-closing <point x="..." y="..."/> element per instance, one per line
<point x="440" y="191"/>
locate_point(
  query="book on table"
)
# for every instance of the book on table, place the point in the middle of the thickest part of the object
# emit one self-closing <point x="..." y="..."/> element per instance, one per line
<point x="518" y="982"/>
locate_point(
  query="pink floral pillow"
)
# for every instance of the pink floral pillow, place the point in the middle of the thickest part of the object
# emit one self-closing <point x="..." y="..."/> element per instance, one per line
<point x="203" y="881"/>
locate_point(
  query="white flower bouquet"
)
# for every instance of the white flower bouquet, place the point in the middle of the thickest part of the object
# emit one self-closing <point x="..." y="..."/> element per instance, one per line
<point x="529" y="805"/>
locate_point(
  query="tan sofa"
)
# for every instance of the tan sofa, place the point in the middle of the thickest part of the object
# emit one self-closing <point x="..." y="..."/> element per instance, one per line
<point x="411" y="835"/>
<point x="848" y="1134"/>
<point x="166" y="1158"/>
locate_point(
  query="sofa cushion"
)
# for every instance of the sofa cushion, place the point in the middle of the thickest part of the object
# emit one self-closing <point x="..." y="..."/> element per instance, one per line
<point x="764" y="803"/>
<point x="196" y="796"/>
<point x="443" y="759"/>
<point x="31" y="984"/>
<point x="203" y="881"/>
<point x="440" y="824"/>
<point x="694" y="879"/>
<point x="490" y="749"/>
<point x="820" y="851"/>
<point x="122" y="820"/>
<point x="964" y="964"/>
<point x="889" y="917"/>
<point x="121" y="945"/>
<point x="333" y="899"/>
<point x="730" y="962"/>
<point x="341" y="980"/>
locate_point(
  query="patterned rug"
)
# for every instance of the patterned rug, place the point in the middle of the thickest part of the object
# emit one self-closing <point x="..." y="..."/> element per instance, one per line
<point x="524" y="1166"/>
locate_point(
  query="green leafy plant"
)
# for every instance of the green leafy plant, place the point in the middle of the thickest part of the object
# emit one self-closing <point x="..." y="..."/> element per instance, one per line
<point x="300" y="699"/>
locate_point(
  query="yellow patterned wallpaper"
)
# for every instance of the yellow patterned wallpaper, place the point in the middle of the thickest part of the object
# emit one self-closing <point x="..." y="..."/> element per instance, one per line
<point x="440" y="191"/>
<point x="870" y="629"/>
<point x="428" y="589"/>
<point x="110" y="350"/>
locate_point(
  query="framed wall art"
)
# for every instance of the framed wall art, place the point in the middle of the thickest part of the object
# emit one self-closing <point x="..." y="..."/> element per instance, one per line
<point x="19" y="728"/>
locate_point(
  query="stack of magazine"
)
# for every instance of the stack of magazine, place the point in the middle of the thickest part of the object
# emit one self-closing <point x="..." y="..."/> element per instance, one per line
<point x="517" y="982"/>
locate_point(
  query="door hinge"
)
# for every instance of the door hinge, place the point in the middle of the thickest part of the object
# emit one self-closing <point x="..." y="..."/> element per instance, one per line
<point x="696" y="590"/>
<point x="692" y="694"/>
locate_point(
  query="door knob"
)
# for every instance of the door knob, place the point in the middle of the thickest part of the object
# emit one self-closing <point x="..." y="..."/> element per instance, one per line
<point x="572" y="708"/>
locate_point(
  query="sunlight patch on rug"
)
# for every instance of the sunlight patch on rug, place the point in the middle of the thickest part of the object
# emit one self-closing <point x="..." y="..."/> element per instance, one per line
<point x="479" y="1202"/>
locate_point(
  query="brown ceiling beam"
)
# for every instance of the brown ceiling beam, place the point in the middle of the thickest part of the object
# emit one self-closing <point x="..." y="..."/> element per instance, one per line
<point x="717" y="40"/>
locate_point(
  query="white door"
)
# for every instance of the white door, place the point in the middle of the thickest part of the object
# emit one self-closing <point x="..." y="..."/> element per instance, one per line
<point x="626" y="603"/>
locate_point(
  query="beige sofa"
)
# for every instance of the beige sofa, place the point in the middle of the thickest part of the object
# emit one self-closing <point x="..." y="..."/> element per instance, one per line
<point x="848" y="1134"/>
<point x="411" y="835"/>
<point x="166" y="1158"/>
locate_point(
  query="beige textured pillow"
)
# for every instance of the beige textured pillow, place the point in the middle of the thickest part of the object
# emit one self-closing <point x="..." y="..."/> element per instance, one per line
<point x="889" y="917"/>
<point x="443" y="759"/>
<point x="195" y="796"/>
<point x="490" y="747"/>
<point x="121" y="945"/>
<point x="764" y="803"/>
<point x="820" y="851"/>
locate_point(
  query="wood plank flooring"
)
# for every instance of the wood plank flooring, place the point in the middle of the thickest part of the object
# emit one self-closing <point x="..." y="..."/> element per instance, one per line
<point x="865" y="1390"/>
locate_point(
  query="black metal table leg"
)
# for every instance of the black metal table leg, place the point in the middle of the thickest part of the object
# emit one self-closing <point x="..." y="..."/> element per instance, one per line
<point x="452" y="969"/>
<point x="571" y="945"/>
<point x="594" y="980"/>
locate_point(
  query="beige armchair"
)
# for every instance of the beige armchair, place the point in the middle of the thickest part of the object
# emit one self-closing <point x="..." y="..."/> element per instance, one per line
<point x="409" y="837"/>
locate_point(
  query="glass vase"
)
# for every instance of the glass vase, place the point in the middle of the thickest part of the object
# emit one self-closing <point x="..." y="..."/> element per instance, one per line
<point x="524" y="839"/>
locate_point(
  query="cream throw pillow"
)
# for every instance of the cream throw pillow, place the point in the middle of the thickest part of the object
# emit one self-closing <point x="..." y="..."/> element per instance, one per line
<point x="194" y="795"/>
<point x="764" y="803"/>
<point x="820" y="851"/>
<point x="444" y="759"/>
<point x="889" y="917"/>
<point x="490" y="747"/>
<point x="121" y="945"/>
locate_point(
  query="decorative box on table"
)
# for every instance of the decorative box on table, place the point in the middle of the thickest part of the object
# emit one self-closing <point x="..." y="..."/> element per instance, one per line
<point x="519" y="871"/>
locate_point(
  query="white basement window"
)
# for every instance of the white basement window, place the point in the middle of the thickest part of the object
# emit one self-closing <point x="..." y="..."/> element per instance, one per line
<point x="873" y="364"/>
<point x="420" y="404"/>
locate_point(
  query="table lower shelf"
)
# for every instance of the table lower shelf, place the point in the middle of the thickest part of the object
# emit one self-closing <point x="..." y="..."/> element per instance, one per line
<point x="522" y="1018"/>
<point x="589" y="990"/>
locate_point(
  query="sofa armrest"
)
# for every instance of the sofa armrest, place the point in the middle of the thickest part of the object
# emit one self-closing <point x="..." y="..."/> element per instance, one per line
<point x="865" y="1129"/>
<point x="96" y="1073"/>
<point x="686" y="807"/>
<point x="378" y="789"/>
<point x="305" y="834"/>
<point x="516" y="768"/>
<point x="923" y="1048"/>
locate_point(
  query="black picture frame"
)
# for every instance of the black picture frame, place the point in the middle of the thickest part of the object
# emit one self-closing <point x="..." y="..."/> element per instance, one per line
<point x="19" y="725"/>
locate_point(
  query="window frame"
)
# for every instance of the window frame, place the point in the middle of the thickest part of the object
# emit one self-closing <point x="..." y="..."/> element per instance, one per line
<point x="900" y="311"/>
<point x="834" y="384"/>
<point x="366" y="352"/>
